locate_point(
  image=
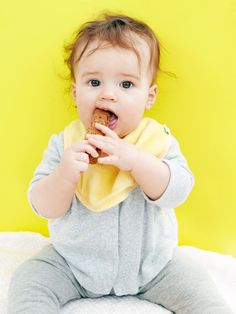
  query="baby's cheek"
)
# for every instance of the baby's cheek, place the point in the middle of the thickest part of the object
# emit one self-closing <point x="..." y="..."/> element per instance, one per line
<point x="85" y="112"/>
<point x="84" y="118"/>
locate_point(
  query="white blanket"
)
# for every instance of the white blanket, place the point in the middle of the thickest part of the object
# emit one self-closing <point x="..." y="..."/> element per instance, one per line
<point x="16" y="247"/>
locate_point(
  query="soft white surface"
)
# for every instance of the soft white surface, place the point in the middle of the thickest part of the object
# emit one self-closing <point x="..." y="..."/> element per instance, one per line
<point x="16" y="247"/>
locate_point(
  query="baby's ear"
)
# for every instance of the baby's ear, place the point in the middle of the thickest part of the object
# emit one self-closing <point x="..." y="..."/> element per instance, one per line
<point x="74" y="91"/>
<point x="152" y="94"/>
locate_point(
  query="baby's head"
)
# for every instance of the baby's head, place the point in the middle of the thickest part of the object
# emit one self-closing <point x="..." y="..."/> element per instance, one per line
<point x="114" y="63"/>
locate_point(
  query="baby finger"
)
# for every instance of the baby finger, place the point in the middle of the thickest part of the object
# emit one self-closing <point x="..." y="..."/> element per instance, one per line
<point x="84" y="146"/>
<point x="83" y="166"/>
<point x="82" y="157"/>
<point x="91" y="150"/>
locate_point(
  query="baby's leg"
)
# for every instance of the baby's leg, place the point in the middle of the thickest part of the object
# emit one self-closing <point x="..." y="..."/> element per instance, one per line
<point x="42" y="284"/>
<point x="185" y="287"/>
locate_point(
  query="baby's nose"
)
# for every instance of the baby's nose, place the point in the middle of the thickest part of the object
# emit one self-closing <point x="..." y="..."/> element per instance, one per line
<point x="108" y="94"/>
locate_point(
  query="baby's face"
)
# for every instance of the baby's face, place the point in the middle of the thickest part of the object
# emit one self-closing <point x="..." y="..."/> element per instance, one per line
<point x="111" y="78"/>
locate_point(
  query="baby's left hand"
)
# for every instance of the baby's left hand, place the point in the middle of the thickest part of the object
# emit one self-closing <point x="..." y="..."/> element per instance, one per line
<point x="121" y="154"/>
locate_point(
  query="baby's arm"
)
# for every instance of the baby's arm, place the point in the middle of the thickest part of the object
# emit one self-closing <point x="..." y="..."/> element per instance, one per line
<point x="52" y="194"/>
<point x="151" y="174"/>
<point x="166" y="181"/>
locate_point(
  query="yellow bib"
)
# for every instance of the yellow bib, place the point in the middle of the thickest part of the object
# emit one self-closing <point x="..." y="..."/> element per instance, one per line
<point x="104" y="186"/>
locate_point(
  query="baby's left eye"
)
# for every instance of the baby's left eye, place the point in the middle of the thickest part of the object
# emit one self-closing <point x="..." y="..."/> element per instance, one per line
<point x="126" y="84"/>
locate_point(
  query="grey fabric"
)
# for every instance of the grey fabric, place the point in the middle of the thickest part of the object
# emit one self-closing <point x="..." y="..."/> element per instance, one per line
<point x="126" y="246"/>
<point x="184" y="287"/>
<point x="43" y="284"/>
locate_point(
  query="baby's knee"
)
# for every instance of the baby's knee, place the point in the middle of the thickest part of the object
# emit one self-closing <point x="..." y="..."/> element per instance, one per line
<point x="18" y="287"/>
<point x="28" y="290"/>
<point x="19" y="278"/>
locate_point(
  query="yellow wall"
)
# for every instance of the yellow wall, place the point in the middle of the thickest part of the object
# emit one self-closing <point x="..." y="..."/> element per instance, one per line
<point x="199" y="38"/>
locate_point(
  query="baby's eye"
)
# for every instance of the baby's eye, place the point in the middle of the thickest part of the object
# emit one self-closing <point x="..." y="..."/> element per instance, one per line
<point x="94" y="83"/>
<point x="126" y="84"/>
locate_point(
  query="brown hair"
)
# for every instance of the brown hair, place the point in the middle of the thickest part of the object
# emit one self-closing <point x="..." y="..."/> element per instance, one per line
<point x="116" y="30"/>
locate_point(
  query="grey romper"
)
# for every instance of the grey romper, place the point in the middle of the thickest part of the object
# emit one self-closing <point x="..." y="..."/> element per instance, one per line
<point x="130" y="249"/>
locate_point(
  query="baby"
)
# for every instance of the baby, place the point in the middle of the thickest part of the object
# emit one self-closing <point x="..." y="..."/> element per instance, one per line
<point x="112" y="224"/>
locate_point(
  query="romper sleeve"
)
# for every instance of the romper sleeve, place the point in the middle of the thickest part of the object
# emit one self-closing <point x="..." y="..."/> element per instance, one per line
<point x="181" y="178"/>
<point x="51" y="158"/>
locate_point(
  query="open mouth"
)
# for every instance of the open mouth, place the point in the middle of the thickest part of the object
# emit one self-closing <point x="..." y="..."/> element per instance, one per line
<point x="113" y="119"/>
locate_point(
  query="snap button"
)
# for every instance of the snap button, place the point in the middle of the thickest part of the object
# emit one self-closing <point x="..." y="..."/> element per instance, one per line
<point x="166" y="129"/>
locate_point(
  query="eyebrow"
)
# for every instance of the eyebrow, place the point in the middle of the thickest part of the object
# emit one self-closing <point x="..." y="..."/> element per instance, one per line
<point x="122" y="74"/>
<point x="89" y="73"/>
<point x="130" y="75"/>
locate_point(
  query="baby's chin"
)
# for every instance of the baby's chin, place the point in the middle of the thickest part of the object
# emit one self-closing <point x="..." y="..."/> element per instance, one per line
<point x="124" y="133"/>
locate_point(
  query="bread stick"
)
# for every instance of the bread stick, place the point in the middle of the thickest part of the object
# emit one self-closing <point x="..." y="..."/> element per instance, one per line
<point x="102" y="117"/>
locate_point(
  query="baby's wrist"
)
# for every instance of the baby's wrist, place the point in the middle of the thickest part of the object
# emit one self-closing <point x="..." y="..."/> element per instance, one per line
<point x="68" y="183"/>
<point x="136" y="161"/>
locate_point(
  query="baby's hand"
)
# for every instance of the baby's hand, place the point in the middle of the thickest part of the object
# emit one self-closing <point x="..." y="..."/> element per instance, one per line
<point x="75" y="160"/>
<point x="121" y="154"/>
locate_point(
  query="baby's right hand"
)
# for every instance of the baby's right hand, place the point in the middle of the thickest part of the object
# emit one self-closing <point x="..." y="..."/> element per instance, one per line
<point x="75" y="160"/>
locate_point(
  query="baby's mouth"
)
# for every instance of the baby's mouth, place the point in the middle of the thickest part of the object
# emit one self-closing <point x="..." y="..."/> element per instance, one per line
<point x="113" y="119"/>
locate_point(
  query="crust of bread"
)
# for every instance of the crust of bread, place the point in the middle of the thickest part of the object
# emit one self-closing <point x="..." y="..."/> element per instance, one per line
<point x="102" y="117"/>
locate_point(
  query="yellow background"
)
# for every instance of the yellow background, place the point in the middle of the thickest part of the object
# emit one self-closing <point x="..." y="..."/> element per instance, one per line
<point x="198" y="41"/>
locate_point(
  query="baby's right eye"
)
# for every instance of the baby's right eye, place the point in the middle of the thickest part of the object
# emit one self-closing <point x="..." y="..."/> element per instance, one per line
<point x="94" y="83"/>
